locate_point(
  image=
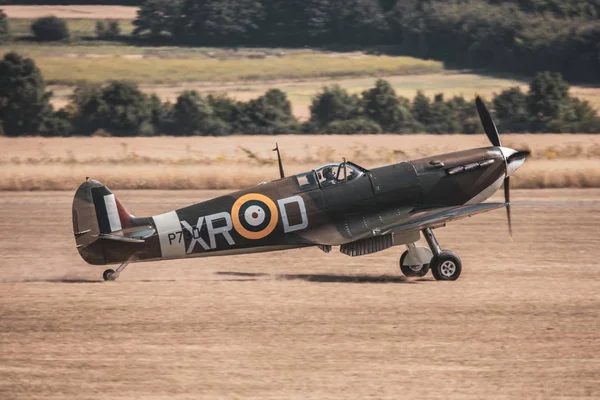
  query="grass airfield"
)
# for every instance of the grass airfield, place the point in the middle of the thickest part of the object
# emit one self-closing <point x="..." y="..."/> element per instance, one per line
<point x="522" y="321"/>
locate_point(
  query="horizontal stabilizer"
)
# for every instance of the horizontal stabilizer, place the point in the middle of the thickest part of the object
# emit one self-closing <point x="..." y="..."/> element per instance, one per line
<point x="118" y="238"/>
<point x="140" y="232"/>
<point x="136" y="234"/>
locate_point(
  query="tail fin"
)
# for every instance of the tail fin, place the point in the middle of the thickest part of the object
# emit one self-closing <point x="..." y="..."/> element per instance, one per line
<point x="110" y="213"/>
<point x="96" y="212"/>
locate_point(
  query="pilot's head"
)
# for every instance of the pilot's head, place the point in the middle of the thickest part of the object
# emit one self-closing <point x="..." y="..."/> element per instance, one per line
<point x="328" y="173"/>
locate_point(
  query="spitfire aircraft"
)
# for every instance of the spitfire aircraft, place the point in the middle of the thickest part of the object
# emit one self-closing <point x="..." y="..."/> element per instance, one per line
<point x="338" y="204"/>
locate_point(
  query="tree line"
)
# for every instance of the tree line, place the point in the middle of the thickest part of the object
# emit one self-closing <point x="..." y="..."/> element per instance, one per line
<point x="121" y="109"/>
<point x="520" y="36"/>
<point x="51" y="28"/>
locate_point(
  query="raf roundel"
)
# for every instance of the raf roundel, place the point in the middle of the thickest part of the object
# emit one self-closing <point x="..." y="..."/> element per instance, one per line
<point x="254" y="216"/>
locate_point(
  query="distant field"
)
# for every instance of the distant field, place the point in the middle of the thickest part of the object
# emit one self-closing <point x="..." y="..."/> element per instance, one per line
<point x="78" y="12"/>
<point x="233" y="162"/>
<point x="67" y="67"/>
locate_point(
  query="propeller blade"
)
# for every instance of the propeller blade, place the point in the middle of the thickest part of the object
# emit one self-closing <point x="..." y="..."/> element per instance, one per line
<point x="488" y="123"/>
<point x="507" y="201"/>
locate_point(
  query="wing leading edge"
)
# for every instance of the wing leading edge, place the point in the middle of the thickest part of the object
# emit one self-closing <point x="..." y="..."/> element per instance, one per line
<point x="441" y="216"/>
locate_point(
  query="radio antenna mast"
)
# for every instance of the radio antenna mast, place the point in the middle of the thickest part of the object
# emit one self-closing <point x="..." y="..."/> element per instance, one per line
<point x="281" y="174"/>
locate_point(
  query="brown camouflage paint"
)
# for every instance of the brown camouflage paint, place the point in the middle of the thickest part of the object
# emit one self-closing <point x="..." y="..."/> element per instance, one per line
<point x="341" y="213"/>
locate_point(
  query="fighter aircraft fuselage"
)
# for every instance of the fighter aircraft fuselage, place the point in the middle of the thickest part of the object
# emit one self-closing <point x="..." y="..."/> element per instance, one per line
<point x="295" y="211"/>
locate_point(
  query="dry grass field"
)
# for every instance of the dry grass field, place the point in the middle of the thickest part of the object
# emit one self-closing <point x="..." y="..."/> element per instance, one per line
<point x="238" y="161"/>
<point x="205" y="68"/>
<point x="71" y="12"/>
<point x="521" y="322"/>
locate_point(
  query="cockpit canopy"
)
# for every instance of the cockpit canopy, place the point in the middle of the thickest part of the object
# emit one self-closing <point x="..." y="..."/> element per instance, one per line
<point x="329" y="174"/>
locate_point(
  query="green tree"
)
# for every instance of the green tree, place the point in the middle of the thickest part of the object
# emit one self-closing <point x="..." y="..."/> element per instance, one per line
<point x="226" y="108"/>
<point x="24" y="102"/>
<point x="108" y="30"/>
<point x="220" y="21"/>
<point x="443" y="118"/>
<point x="124" y="109"/>
<point x="548" y="98"/>
<point x="271" y="113"/>
<point x="295" y="22"/>
<point x="119" y="108"/>
<point x="383" y="106"/>
<point x="579" y="117"/>
<point x="58" y="124"/>
<point x="511" y="110"/>
<point x="193" y="115"/>
<point x="334" y="103"/>
<point x="357" y="22"/>
<point x="87" y="101"/>
<point x="464" y="115"/>
<point x="157" y="19"/>
<point x="421" y="108"/>
<point x="51" y="28"/>
<point x="160" y="115"/>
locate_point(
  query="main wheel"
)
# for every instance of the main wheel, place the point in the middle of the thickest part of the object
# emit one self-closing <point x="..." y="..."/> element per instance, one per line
<point x="446" y="267"/>
<point x="412" y="270"/>
<point x="108" y="274"/>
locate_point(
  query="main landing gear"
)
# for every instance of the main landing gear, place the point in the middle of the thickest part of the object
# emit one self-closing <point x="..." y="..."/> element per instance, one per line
<point x="444" y="264"/>
<point x="111" y="275"/>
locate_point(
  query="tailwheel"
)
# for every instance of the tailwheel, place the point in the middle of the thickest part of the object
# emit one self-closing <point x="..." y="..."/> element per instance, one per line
<point x="446" y="266"/>
<point x="412" y="270"/>
<point x="109" y="275"/>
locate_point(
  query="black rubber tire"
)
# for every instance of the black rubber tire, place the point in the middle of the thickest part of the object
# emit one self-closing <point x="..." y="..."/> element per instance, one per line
<point x="441" y="266"/>
<point x="107" y="274"/>
<point x="409" y="272"/>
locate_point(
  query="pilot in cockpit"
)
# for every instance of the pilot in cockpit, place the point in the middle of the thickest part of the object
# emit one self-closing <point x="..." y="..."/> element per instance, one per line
<point x="328" y="176"/>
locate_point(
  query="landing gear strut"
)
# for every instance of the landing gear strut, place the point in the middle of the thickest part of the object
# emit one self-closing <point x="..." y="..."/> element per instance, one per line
<point x="111" y="275"/>
<point x="445" y="265"/>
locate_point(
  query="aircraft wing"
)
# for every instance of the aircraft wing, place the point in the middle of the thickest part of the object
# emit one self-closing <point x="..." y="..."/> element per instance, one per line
<point x="405" y="231"/>
<point x="441" y="216"/>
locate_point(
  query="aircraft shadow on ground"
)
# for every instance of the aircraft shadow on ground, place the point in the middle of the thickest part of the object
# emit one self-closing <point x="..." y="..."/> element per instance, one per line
<point x="241" y="274"/>
<point x="61" y="280"/>
<point x="328" y="278"/>
<point x="254" y="276"/>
